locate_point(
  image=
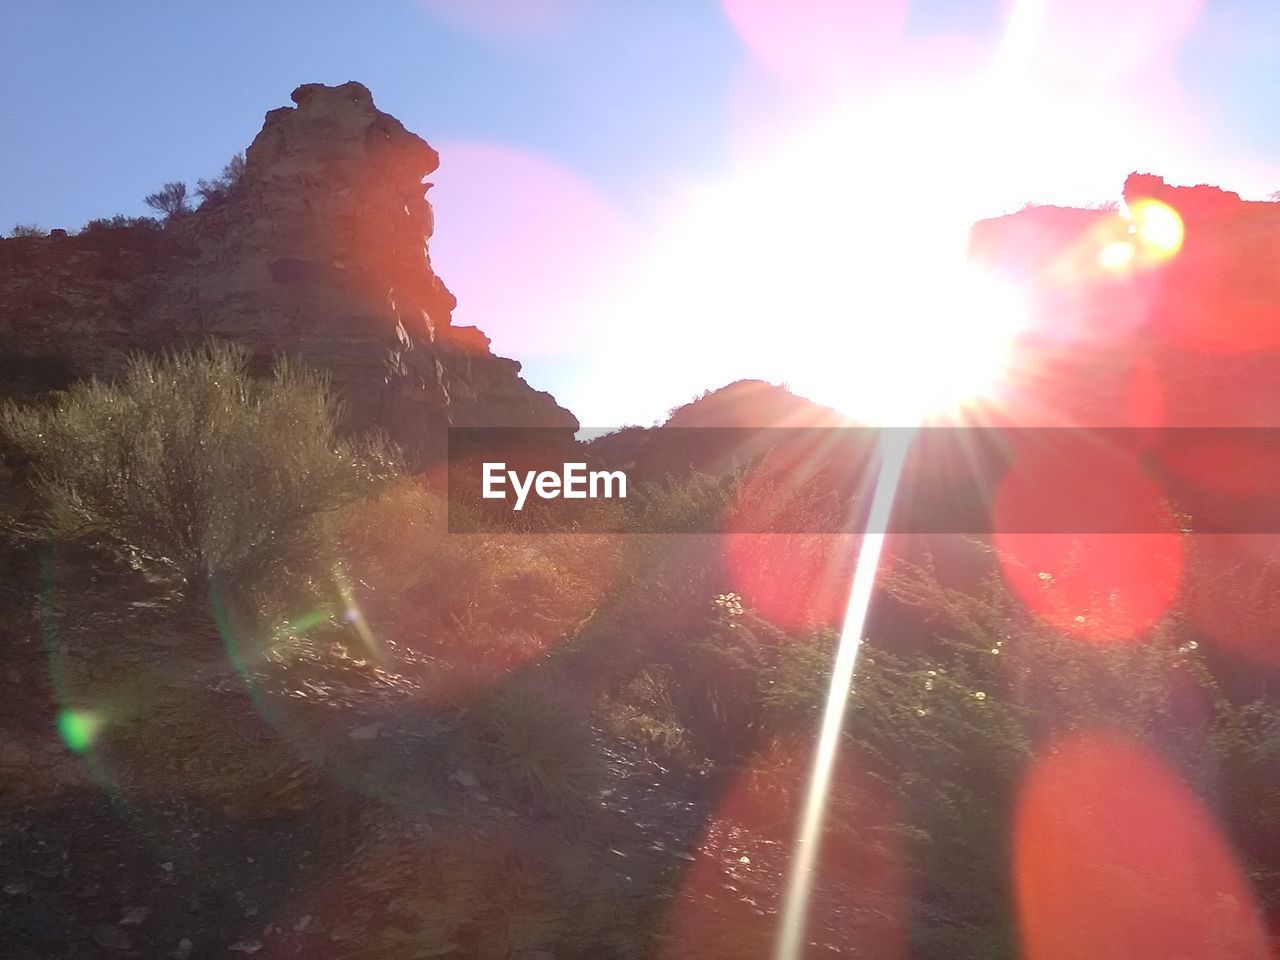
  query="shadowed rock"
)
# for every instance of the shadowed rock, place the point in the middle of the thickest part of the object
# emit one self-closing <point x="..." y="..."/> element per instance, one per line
<point x="319" y="251"/>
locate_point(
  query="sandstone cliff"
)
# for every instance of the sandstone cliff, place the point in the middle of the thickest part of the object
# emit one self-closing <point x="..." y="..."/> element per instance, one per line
<point x="319" y="250"/>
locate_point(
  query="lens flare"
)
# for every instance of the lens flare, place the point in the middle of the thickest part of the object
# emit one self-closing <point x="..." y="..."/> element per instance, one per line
<point x="725" y="905"/>
<point x="79" y="728"/>
<point x="1159" y="227"/>
<point x="821" y="46"/>
<point x="1231" y="592"/>
<point x="1116" y="859"/>
<point x="355" y="616"/>
<point x="1118" y="573"/>
<point x="791" y="938"/>
<point x="1117" y="256"/>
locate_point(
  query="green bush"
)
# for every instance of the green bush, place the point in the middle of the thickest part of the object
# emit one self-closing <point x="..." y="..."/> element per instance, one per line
<point x="535" y="734"/>
<point x="190" y="464"/>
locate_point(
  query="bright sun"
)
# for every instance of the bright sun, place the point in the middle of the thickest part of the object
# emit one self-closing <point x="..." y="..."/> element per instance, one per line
<point x="937" y="344"/>
<point x="830" y="253"/>
<point x="839" y="264"/>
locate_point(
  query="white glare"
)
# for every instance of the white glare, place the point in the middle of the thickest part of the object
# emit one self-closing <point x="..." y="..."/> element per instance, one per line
<point x="893" y="453"/>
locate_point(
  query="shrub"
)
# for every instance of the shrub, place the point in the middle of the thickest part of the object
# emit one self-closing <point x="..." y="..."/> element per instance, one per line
<point x="212" y="191"/>
<point x="535" y="735"/>
<point x="190" y="464"/>
<point x="120" y="222"/>
<point x="492" y="602"/>
<point x="171" y="200"/>
<point x="482" y="589"/>
<point x="382" y="543"/>
<point x="27" y="230"/>
<point x="643" y="713"/>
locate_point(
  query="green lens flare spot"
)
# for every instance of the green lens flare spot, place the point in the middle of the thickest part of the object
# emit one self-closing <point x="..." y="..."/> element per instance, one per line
<point x="79" y="728"/>
<point x="303" y="623"/>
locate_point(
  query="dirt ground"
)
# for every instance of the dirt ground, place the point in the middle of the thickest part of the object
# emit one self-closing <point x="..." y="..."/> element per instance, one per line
<point x="157" y="804"/>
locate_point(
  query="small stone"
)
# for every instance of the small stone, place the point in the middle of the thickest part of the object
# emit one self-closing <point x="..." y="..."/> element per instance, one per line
<point x="303" y="923"/>
<point x="744" y="859"/>
<point x="111" y="938"/>
<point x="465" y="778"/>
<point x="167" y="866"/>
<point x="364" y="733"/>
<point x="246" y="946"/>
<point x="134" y="916"/>
<point x="17" y="888"/>
<point x="184" y="949"/>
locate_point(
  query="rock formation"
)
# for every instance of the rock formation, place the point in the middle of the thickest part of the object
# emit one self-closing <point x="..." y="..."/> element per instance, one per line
<point x="1191" y="338"/>
<point x="318" y="250"/>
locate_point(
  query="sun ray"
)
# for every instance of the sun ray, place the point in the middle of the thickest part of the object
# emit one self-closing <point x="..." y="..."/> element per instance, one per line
<point x="894" y="445"/>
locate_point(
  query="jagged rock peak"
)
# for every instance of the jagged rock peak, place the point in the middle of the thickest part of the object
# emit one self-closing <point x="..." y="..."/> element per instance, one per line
<point x="342" y="118"/>
<point x="335" y="184"/>
<point x="319" y="250"/>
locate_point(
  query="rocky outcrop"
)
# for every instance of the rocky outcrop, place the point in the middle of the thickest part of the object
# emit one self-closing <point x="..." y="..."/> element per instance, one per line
<point x="1190" y="337"/>
<point x="319" y="251"/>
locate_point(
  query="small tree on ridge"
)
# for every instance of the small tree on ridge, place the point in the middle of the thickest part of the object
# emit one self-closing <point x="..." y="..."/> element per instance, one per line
<point x="171" y="200"/>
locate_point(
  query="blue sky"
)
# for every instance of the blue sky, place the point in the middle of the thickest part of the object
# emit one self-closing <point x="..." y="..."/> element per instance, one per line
<point x="110" y="99"/>
<point x="627" y="107"/>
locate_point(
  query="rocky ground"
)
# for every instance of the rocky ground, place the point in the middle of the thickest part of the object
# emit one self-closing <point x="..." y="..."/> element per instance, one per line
<point x="316" y="806"/>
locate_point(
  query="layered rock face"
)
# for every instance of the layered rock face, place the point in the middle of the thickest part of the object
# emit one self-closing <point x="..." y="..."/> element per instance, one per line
<point x="318" y="251"/>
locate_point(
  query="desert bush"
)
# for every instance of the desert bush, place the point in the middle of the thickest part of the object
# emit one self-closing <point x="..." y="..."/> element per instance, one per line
<point x="380" y="545"/>
<point x="170" y="200"/>
<point x="188" y="463"/>
<point x="642" y="712"/>
<point x="120" y="222"/>
<point x="479" y="589"/>
<point x="669" y="579"/>
<point x="1246" y="738"/>
<point x="697" y="693"/>
<point x="27" y="230"/>
<point x="489" y="601"/>
<point x="961" y="719"/>
<point x="535" y="734"/>
<point x="212" y="191"/>
<point x="720" y="673"/>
